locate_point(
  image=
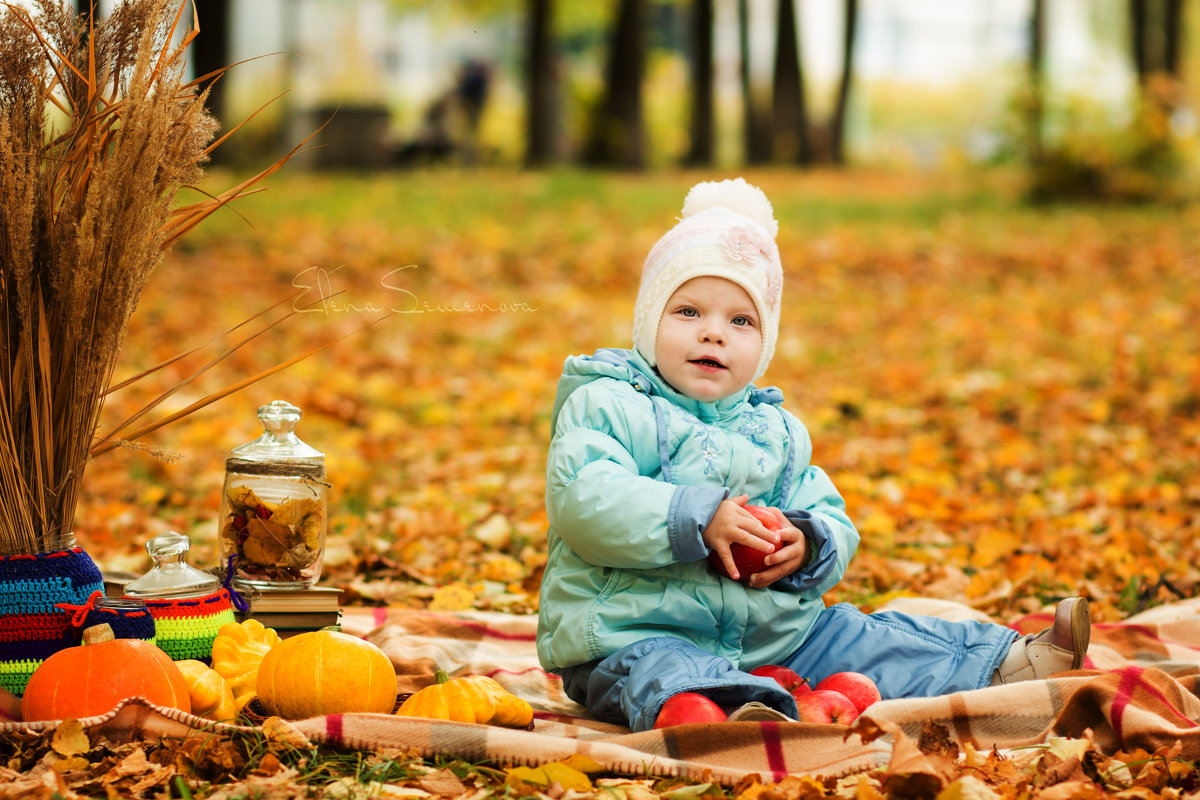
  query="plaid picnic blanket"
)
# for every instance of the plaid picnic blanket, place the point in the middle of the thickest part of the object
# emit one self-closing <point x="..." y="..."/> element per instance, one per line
<point x="1139" y="688"/>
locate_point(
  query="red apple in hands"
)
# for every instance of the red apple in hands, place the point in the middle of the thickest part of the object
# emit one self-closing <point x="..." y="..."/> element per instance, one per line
<point x="788" y="679"/>
<point x="823" y="705"/>
<point x="858" y="688"/>
<point x="747" y="560"/>
<point x="686" y="707"/>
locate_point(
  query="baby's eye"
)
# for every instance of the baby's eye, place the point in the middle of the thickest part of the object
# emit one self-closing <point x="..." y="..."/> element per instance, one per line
<point x="689" y="312"/>
<point x="742" y="320"/>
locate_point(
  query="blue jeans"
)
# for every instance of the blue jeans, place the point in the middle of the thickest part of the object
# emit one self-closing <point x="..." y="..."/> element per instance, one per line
<point x="906" y="656"/>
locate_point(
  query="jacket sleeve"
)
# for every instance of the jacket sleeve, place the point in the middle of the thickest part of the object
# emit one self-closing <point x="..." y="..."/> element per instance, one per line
<point x="600" y="496"/>
<point x="814" y="506"/>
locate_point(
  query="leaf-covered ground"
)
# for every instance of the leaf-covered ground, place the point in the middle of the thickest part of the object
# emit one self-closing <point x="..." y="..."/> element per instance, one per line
<point x="1006" y="396"/>
<point x="273" y="765"/>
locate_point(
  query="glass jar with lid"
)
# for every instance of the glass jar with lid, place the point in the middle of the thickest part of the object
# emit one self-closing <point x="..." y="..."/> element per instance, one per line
<point x="171" y="575"/>
<point x="274" y="505"/>
<point x="188" y="605"/>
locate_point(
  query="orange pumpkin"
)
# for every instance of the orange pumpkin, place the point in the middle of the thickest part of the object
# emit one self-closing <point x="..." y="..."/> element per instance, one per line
<point x="91" y="679"/>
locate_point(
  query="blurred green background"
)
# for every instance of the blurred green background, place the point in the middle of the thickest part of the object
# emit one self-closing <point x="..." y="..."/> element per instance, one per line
<point x="1090" y="99"/>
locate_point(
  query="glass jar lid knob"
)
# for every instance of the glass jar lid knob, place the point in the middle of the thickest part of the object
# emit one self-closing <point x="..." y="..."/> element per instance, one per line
<point x="278" y="441"/>
<point x="279" y="418"/>
<point x="171" y="575"/>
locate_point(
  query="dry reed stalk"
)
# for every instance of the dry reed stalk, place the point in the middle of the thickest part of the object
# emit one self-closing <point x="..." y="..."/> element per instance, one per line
<point x="98" y="132"/>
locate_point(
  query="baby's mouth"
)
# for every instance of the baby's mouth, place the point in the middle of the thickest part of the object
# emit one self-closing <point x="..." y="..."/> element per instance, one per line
<point x="708" y="363"/>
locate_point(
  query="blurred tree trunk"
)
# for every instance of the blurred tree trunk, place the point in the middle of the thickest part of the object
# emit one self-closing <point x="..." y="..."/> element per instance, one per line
<point x="210" y="52"/>
<point x="837" y="127"/>
<point x="756" y="132"/>
<point x="1173" y="32"/>
<point x="1035" y="110"/>
<point x="1137" y="33"/>
<point x="703" y="145"/>
<point x="541" y="82"/>
<point x="789" y="123"/>
<point x="618" y="137"/>
<point x="1156" y="30"/>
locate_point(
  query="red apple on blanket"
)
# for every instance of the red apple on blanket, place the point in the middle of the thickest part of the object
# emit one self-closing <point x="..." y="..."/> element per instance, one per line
<point x="823" y="705"/>
<point x="686" y="707"/>
<point x="858" y="688"/>
<point x="747" y="560"/>
<point x="788" y="679"/>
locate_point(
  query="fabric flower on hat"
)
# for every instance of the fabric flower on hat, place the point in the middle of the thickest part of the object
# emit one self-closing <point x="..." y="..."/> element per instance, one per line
<point x="746" y="244"/>
<point x="774" y="288"/>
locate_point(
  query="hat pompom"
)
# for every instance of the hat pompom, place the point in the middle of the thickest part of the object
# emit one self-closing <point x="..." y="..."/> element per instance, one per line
<point x="735" y="195"/>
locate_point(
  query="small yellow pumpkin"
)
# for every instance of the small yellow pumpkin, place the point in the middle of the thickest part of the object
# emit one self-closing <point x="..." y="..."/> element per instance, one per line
<point x="211" y="695"/>
<point x="326" y="672"/>
<point x="237" y="653"/>
<point x="470" y="698"/>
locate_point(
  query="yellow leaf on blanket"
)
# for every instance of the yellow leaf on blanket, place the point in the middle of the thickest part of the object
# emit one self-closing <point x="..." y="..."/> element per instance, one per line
<point x="443" y="783"/>
<point x="280" y="732"/>
<point x="452" y="597"/>
<point x="752" y="791"/>
<point x="968" y="787"/>
<point x="867" y="788"/>
<point x="971" y="758"/>
<point x="627" y="788"/>
<point x="69" y="738"/>
<point x="1066" y="748"/>
<point x="686" y="792"/>
<point x="792" y="787"/>
<point x="567" y="777"/>
<point x="68" y="763"/>
<point x="584" y="764"/>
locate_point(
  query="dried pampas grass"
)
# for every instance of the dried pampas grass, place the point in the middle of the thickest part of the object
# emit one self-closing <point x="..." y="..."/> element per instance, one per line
<point x="98" y="132"/>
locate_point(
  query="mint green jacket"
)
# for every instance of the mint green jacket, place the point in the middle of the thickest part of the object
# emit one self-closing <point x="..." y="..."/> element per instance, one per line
<point x="634" y="474"/>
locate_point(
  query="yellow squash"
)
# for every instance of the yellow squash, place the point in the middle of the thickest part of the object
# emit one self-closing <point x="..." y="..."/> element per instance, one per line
<point x="326" y="672"/>
<point x="471" y="698"/>
<point x="237" y="653"/>
<point x="211" y="695"/>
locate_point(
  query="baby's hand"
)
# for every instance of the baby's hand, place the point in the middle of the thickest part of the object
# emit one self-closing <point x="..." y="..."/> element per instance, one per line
<point x="733" y="523"/>
<point x="790" y="556"/>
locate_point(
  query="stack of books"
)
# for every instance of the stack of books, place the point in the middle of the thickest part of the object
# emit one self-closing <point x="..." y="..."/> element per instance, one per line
<point x="292" y="611"/>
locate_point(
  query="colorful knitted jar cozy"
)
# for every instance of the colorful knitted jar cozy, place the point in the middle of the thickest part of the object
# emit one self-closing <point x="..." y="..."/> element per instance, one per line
<point x="129" y="618"/>
<point x="186" y="626"/>
<point x="32" y="626"/>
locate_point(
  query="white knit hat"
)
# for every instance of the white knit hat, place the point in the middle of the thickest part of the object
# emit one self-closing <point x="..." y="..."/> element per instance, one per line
<point x="727" y="231"/>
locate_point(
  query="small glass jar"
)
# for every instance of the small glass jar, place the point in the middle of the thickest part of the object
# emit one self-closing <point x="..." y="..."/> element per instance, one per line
<point x="171" y="576"/>
<point x="274" y="506"/>
<point x="189" y="605"/>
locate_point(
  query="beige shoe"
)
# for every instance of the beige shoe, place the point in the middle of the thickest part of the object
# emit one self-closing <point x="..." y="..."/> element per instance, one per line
<point x="1059" y="648"/>
<point x="755" y="711"/>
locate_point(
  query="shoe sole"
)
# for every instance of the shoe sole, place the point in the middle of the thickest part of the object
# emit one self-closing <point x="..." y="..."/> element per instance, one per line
<point x="1081" y="631"/>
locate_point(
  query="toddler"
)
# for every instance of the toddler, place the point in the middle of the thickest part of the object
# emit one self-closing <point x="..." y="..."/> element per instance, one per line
<point x="655" y="450"/>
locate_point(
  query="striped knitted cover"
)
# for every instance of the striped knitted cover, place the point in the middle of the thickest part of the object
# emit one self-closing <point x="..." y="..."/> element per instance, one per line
<point x="187" y="626"/>
<point x="125" y="623"/>
<point x="31" y="626"/>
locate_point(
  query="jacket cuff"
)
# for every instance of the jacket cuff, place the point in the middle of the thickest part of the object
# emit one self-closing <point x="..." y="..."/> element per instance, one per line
<point x="690" y="511"/>
<point x="822" y="559"/>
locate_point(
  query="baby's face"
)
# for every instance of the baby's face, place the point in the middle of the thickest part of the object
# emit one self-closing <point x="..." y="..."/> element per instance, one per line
<point x="709" y="339"/>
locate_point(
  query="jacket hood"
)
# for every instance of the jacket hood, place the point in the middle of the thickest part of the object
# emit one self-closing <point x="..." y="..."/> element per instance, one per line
<point x="629" y="366"/>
